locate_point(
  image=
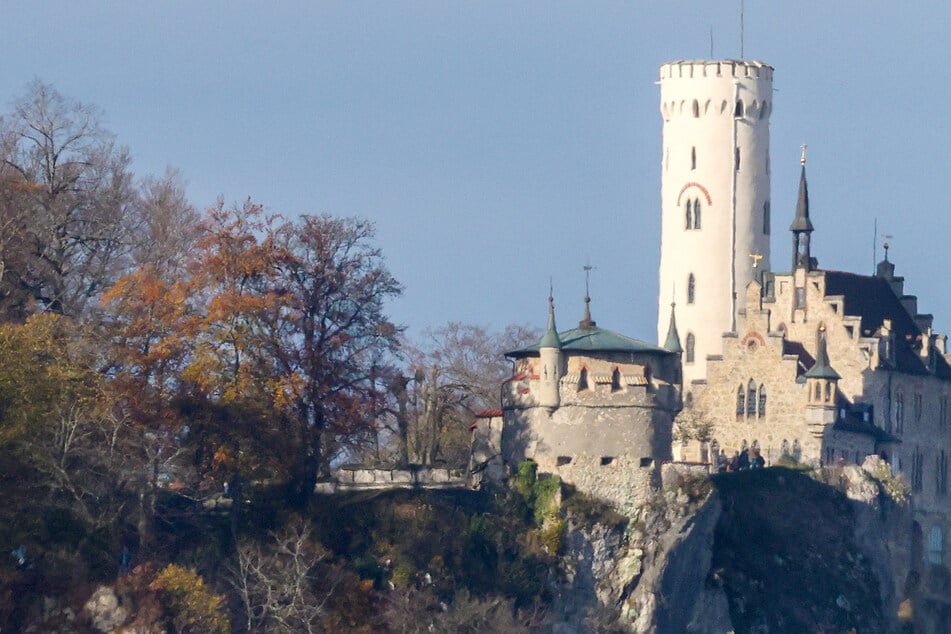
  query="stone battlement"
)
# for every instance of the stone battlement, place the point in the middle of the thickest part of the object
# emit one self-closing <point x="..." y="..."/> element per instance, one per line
<point x="690" y="69"/>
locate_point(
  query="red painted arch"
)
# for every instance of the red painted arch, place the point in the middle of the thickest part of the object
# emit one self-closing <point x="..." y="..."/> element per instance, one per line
<point x="703" y="189"/>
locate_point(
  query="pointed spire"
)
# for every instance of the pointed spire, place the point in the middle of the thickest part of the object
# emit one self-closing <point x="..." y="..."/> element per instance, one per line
<point x="802" y="222"/>
<point x="587" y="323"/>
<point x="550" y="339"/>
<point x="822" y="369"/>
<point x="673" y="337"/>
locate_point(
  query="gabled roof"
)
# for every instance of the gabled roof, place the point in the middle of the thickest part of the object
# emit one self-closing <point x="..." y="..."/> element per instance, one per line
<point x="594" y="339"/>
<point x="873" y="300"/>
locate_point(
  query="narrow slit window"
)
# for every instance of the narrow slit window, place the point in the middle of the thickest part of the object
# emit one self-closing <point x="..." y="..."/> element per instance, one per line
<point x="696" y="213"/>
<point x="693" y="158"/>
<point x="691" y="288"/>
<point x="691" y="344"/>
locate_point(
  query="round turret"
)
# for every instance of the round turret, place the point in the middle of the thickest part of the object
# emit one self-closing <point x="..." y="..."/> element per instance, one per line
<point x="714" y="196"/>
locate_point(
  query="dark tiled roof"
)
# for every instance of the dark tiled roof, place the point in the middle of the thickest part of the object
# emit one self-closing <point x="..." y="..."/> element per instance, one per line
<point x="594" y="339"/>
<point x="872" y="299"/>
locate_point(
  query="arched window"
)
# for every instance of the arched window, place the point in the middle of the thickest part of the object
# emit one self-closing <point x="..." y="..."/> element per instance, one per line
<point x="796" y="449"/>
<point x="689" y="216"/>
<point x="738" y="110"/>
<point x="899" y="411"/>
<point x="696" y="213"/>
<point x="688" y="400"/>
<point x="751" y="399"/>
<point x="693" y="157"/>
<point x="691" y="343"/>
<point x="740" y="402"/>
<point x="583" y="379"/>
<point x="785" y="448"/>
<point x="817" y="397"/>
<point x="616" y="380"/>
<point x="696" y="108"/>
<point x="828" y="391"/>
<point x="766" y="217"/>
<point x="691" y="288"/>
<point x="762" y="401"/>
<point x="936" y="546"/>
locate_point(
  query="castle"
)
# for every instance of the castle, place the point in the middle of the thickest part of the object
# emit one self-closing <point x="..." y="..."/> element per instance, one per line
<point x="824" y="367"/>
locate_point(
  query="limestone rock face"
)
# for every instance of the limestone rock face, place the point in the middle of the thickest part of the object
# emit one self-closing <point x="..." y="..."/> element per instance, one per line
<point x="105" y="611"/>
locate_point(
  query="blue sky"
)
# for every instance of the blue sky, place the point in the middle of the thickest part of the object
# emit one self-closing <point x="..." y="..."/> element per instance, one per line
<point x="495" y="144"/>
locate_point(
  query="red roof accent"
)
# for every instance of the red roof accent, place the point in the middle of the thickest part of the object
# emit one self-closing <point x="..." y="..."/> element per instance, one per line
<point x="489" y="413"/>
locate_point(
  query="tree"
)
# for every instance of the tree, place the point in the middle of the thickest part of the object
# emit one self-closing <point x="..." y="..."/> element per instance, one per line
<point x="279" y="583"/>
<point x="278" y="321"/>
<point x="455" y="372"/>
<point x="67" y="195"/>
<point x="168" y="225"/>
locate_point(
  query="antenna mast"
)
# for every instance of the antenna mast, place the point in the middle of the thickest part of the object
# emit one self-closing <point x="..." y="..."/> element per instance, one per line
<point x="742" y="7"/>
<point x="874" y="246"/>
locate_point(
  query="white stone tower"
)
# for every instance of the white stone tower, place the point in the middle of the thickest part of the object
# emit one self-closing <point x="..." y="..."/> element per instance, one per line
<point x="715" y="207"/>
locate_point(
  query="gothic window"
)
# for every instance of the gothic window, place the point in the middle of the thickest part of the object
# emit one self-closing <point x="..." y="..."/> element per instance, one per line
<point x="766" y="218"/>
<point x="941" y="474"/>
<point x="899" y="412"/>
<point x="689" y="215"/>
<point x="817" y="397"/>
<point x="740" y="402"/>
<point x="796" y="449"/>
<point x="917" y="461"/>
<point x="691" y="343"/>
<point x="693" y="157"/>
<point x="738" y="109"/>
<point x="691" y="288"/>
<point x="935" y="546"/>
<point x="785" y="447"/>
<point x="616" y="380"/>
<point x="696" y="108"/>
<point x="583" y="379"/>
<point x="828" y="392"/>
<point x="751" y="399"/>
<point x="830" y="455"/>
<point x="762" y="401"/>
<point x="696" y="213"/>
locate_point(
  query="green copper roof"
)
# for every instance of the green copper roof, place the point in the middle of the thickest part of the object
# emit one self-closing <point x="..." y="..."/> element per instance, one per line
<point x="822" y="369"/>
<point x="550" y="340"/>
<point x="673" y="337"/>
<point x="593" y="339"/>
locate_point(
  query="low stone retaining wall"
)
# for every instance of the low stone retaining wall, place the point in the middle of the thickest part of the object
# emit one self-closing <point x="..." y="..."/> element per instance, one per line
<point x="348" y="479"/>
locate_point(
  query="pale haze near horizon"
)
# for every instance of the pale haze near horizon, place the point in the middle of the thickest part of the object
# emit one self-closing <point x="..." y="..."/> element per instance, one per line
<point x="496" y="145"/>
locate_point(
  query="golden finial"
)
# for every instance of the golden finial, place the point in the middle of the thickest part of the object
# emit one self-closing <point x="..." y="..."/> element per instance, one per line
<point x="802" y="157"/>
<point x="756" y="258"/>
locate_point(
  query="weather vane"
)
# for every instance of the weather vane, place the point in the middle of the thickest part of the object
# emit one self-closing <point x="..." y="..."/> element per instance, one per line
<point x="587" y="275"/>
<point x="802" y="157"/>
